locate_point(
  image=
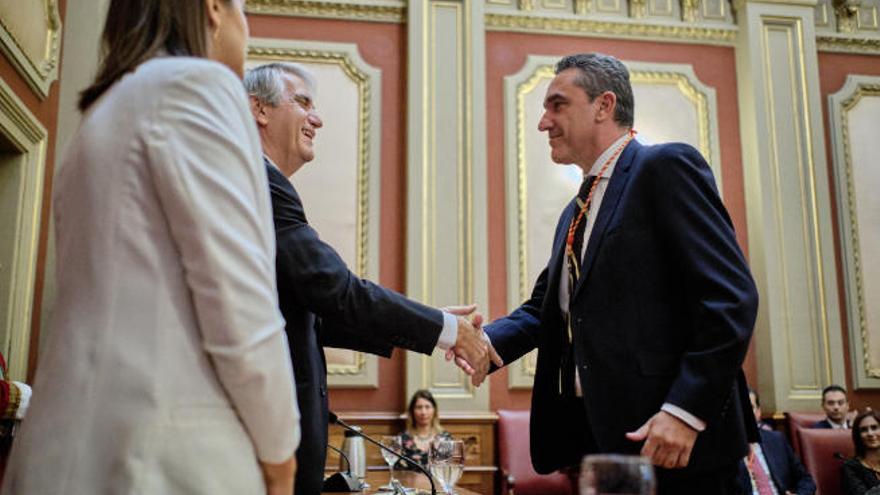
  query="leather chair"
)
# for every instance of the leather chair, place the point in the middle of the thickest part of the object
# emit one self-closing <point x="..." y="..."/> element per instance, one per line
<point x="819" y="449"/>
<point x="796" y="421"/>
<point x="517" y="475"/>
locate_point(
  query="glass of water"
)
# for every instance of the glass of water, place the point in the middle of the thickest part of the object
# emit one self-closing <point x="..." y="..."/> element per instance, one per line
<point x="446" y="461"/>
<point x="612" y="474"/>
<point x="393" y="443"/>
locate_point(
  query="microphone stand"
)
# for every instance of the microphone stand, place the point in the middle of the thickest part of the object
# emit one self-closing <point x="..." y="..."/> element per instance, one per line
<point x="342" y="482"/>
<point x="335" y="419"/>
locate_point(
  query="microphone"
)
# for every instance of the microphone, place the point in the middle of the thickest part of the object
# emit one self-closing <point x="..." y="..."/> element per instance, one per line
<point x="335" y="419"/>
<point x="342" y="482"/>
<point x="839" y="456"/>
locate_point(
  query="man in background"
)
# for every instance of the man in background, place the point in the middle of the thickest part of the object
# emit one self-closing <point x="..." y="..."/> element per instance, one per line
<point x="836" y="407"/>
<point x="323" y="302"/>
<point x="772" y="464"/>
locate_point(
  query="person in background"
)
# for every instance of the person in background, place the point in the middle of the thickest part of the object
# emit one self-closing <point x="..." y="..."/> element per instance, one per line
<point x="836" y="407"/>
<point x="423" y="429"/>
<point x="166" y="367"/>
<point x="861" y="474"/>
<point x="771" y="467"/>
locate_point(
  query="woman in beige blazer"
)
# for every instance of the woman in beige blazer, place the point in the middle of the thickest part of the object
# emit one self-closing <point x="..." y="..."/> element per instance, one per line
<point x="166" y="369"/>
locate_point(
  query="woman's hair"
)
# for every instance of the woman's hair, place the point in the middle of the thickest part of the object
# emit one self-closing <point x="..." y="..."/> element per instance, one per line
<point x="136" y="30"/>
<point x="424" y="394"/>
<point x="857" y="435"/>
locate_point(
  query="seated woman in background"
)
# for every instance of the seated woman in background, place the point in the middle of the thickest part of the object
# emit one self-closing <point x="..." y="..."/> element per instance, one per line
<point x="423" y="428"/>
<point x="861" y="474"/>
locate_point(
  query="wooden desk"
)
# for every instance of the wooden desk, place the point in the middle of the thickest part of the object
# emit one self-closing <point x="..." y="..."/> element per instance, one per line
<point x="409" y="479"/>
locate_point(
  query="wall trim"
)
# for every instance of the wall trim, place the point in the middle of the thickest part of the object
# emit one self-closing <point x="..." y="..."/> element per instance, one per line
<point x="38" y="73"/>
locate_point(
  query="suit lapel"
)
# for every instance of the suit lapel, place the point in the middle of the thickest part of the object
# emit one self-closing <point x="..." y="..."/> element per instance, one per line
<point x="606" y="211"/>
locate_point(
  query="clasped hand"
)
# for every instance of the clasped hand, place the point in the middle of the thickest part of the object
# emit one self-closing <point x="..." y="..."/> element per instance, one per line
<point x="473" y="352"/>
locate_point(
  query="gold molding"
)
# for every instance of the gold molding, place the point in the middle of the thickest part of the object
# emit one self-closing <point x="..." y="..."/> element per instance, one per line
<point x="39" y="74"/>
<point x="862" y="90"/>
<point x="362" y="80"/>
<point x="29" y="138"/>
<point x="611" y="29"/>
<point x="358" y="368"/>
<point x="331" y="10"/>
<point x="848" y="44"/>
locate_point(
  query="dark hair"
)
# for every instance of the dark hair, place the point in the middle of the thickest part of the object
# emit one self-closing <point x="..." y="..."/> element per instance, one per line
<point x="423" y="394"/>
<point x="599" y="73"/>
<point x="857" y="435"/>
<point x="136" y="30"/>
<point x="832" y="388"/>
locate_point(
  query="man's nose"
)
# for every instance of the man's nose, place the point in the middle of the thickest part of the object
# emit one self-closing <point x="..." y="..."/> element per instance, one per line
<point x="315" y="120"/>
<point x="544" y="124"/>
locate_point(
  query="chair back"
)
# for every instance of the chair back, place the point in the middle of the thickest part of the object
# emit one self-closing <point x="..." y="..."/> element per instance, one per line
<point x="818" y="449"/>
<point x="796" y="421"/>
<point x="515" y="460"/>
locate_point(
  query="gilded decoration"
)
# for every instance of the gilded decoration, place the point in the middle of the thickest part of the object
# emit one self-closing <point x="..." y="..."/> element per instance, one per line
<point x="30" y="36"/>
<point x="613" y="29"/>
<point x="393" y="12"/>
<point x="857" y="88"/>
<point x="845" y="44"/>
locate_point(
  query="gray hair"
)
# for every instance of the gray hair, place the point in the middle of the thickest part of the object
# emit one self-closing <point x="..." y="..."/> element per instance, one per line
<point x="599" y="73"/>
<point x="265" y="82"/>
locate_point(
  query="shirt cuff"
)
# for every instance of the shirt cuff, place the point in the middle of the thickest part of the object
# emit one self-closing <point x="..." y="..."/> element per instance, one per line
<point x="449" y="334"/>
<point x="691" y="420"/>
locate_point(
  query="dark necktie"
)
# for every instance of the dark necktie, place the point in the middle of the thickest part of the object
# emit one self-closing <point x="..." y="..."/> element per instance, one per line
<point x="573" y="261"/>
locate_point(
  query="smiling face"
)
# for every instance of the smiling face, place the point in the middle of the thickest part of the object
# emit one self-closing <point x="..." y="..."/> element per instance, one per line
<point x="869" y="431"/>
<point x="423" y="413"/>
<point x="288" y="129"/>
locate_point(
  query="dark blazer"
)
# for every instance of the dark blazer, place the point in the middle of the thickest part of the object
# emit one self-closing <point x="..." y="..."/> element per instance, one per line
<point x="786" y="470"/>
<point x="856" y="479"/>
<point x="825" y="424"/>
<point x="663" y="312"/>
<point x="325" y="304"/>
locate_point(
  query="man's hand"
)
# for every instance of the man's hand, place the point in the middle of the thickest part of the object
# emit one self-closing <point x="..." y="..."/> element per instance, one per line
<point x="668" y="440"/>
<point x="279" y="477"/>
<point x="472" y="349"/>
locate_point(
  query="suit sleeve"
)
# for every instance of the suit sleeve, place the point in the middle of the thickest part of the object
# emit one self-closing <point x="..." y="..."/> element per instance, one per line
<point x="722" y="298"/>
<point x="204" y="159"/>
<point x="315" y="277"/>
<point x="517" y="334"/>
<point x="805" y="485"/>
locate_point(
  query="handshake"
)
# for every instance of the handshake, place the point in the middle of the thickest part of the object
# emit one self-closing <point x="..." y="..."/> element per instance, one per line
<point x="473" y="352"/>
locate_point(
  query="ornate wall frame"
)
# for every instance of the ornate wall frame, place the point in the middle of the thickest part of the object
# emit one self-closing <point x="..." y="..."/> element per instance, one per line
<point x="38" y="66"/>
<point x="535" y="70"/>
<point x="362" y="371"/>
<point x="29" y="139"/>
<point x="840" y="104"/>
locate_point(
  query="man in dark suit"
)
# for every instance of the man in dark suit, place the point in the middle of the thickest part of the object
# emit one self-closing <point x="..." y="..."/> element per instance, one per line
<point x="836" y="407"/>
<point x="643" y="315"/>
<point x="772" y="461"/>
<point x="323" y="302"/>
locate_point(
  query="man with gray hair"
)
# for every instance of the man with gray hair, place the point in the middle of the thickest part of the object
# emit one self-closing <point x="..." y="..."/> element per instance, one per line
<point x="643" y="315"/>
<point x="323" y="302"/>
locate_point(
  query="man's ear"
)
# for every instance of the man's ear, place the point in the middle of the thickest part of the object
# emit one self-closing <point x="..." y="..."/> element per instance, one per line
<point x="258" y="110"/>
<point x="607" y="102"/>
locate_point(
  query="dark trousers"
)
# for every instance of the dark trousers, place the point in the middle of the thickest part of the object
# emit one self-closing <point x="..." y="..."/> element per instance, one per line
<point x="721" y="481"/>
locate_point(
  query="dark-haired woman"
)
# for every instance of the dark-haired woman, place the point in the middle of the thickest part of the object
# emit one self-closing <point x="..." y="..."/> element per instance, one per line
<point x="165" y="369"/>
<point x="423" y="428"/>
<point x="861" y="474"/>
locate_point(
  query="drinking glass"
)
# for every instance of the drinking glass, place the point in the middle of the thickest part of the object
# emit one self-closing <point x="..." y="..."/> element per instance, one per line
<point x="393" y="443"/>
<point x="446" y="461"/>
<point x="612" y="474"/>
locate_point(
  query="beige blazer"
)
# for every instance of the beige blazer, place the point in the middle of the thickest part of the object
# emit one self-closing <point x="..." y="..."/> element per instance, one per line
<point x="166" y="369"/>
